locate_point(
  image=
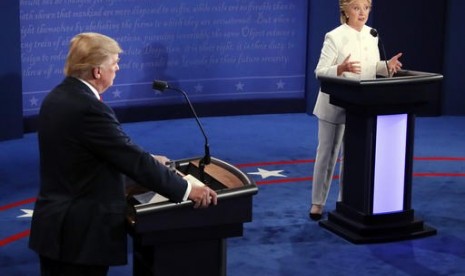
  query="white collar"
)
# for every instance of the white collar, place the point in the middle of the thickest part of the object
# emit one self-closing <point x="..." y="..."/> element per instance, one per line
<point x="97" y="95"/>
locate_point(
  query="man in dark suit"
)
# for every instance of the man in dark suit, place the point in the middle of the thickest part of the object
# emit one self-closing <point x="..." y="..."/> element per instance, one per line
<point x="78" y="226"/>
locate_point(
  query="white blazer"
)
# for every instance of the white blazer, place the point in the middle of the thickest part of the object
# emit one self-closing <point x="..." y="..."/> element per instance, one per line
<point x="337" y="46"/>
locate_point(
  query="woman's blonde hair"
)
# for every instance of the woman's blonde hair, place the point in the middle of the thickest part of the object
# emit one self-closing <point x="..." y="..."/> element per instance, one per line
<point x="87" y="51"/>
<point x="343" y="4"/>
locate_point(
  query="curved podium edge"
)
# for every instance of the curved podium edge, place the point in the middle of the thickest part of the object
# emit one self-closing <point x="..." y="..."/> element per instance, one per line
<point x="249" y="188"/>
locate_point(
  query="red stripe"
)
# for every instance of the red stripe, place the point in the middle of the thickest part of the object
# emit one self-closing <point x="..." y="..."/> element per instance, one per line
<point x="15" y="237"/>
<point x="291" y="162"/>
<point x="439" y="158"/>
<point x="439" y="174"/>
<point x="275" y="163"/>
<point x="310" y="178"/>
<point x="276" y="181"/>
<point x="16" y="204"/>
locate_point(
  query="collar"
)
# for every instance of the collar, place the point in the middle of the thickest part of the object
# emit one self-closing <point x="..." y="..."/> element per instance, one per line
<point x="97" y="95"/>
<point x="364" y="29"/>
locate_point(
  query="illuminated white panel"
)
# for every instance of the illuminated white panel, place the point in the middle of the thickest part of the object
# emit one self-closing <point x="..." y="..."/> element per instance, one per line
<point x="389" y="180"/>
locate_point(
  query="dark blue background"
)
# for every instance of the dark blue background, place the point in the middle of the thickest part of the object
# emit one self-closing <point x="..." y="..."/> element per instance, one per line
<point x="216" y="50"/>
<point x="11" y="113"/>
<point x="232" y="57"/>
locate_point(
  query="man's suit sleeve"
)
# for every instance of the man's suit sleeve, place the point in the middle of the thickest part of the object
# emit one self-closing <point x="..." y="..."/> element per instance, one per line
<point x="104" y="135"/>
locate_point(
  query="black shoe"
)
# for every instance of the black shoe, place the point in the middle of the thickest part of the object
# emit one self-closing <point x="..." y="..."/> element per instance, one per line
<point x="315" y="216"/>
<point x="316" y="212"/>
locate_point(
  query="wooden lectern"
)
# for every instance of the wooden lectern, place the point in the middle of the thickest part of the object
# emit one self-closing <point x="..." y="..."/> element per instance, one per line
<point x="378" y="156"/>
<point x="176" y="239"/>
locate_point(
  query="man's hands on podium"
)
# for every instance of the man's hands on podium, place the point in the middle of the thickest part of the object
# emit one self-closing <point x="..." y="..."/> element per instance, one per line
<point x="200" y="194"/>
<point x="161" y="159"/>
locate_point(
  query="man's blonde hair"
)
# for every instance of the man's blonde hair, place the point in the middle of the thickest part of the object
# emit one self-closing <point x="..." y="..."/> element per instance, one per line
<point x="87" y="51"/>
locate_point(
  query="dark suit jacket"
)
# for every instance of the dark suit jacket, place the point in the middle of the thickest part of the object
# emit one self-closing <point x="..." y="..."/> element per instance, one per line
<point x="79" y="215"/>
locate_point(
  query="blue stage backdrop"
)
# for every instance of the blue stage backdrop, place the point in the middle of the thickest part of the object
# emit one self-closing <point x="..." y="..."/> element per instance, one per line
<point x="215" y="50"/>
<point x="10" y="72"/>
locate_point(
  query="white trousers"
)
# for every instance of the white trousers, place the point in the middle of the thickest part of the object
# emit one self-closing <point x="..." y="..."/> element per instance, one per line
<point x="329" y="148"/>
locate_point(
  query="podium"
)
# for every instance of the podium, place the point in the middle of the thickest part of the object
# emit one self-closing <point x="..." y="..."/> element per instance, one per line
<point x="176" y="239"/>
<point x="378" y="156"/>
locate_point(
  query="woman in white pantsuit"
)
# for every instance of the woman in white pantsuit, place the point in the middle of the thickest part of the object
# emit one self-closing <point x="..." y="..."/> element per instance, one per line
<point x="348" y="51"/>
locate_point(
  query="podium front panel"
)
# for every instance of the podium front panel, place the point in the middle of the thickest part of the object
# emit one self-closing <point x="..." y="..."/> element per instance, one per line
<point x="390" y="160"/>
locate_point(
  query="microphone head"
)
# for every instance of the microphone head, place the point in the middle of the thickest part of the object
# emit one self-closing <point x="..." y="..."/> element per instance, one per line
<point x="374" y="32"/>
<point x="159" y="85"/>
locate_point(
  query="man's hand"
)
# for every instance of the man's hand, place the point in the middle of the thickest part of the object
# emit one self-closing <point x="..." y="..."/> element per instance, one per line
<point x="202" y="196"/>
<point x="161" y="159"/>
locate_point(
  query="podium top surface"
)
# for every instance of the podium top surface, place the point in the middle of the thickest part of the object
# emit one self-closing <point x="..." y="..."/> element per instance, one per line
<point x="227" y="180"/>
<point x="401" y="78"/>
<point x="404" y="89"/>
<point x="233" y="187"/>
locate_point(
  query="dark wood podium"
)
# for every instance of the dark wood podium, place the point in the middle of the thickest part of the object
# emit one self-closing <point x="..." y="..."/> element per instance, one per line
<point x="176" y="239"/>
<point x="378" y="156"/>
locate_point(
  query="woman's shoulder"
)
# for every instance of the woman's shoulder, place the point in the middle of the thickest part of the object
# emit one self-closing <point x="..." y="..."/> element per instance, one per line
<point x="338" y="33"/>
<point x="340" y="28"/>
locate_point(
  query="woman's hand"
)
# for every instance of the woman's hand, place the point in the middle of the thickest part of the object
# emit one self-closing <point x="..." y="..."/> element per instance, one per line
<point x="394" y="64"/>
<point x="349" y="66"/>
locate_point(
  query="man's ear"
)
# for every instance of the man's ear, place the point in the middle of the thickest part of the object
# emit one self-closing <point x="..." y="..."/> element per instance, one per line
<point x="96" y="72"/>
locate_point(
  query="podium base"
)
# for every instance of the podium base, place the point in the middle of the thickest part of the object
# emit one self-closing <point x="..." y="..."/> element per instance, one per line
<point x="182" y="258"/>
<point x="364" y="229"/>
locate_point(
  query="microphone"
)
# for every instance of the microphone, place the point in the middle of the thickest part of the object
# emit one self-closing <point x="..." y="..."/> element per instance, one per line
<point x="374" y="33"/>
<point x="162" y="86"/>
<point x="159" y="85"/>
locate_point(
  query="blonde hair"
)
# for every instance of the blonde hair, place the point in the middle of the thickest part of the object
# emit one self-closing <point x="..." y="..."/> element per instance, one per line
<point x="87" y="51"/>
<point x="343" y="4"/>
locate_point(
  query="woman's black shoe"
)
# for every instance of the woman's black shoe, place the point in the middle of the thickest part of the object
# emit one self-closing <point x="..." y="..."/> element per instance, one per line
<point x="316" y="212"/>
<point x="315" y="216"/>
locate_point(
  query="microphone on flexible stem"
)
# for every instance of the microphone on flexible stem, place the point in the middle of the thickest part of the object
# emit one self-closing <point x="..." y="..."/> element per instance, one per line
<point x="161" y="86"/>
<point x="374" y="33"/>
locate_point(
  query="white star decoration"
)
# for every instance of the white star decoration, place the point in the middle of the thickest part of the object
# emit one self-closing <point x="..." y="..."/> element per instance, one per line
<point x="34" y="101"/>
<point x="280" y="84"/>
<point x="239" y="86"/>
<point x="198" y="88"/>
<point x="117" y="93"/>
<point x="265" y="173"/>
<point x="27" y="213"/>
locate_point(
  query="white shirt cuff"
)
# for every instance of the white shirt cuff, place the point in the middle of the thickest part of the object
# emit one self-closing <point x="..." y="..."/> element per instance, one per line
<point x="188" y="190"/>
